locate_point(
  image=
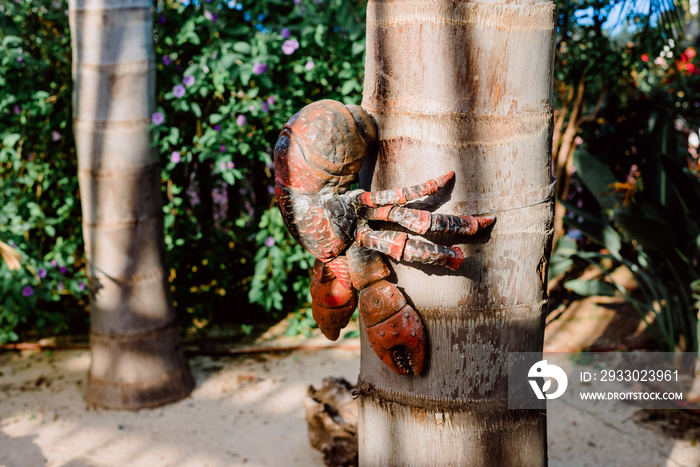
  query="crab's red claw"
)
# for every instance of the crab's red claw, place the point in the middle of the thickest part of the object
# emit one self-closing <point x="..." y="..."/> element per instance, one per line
<point x="394" y="330"/>
<point x="332" y="303"/>
<point x="400" y="341"/>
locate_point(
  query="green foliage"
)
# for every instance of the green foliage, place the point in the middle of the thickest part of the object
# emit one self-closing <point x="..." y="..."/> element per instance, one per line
<point x="587" y="55"/>
<point x="278" y="257"/>
<point x="229" y="76"/>
<point x="634" y="188"/>
<point x="39" y="205"/>
<point x="654" y="233"/>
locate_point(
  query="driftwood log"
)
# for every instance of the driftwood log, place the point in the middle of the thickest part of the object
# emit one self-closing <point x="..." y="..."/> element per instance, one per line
<point x="331" y="413"/>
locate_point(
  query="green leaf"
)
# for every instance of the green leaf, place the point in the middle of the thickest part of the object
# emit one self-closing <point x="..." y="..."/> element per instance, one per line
<point x="597" y="178"/>
<point x="358" y="48"/>
<point x="654" y="234"/>
<point x="229" y="177"/>
<point x="561" y="259"/>
<point x="191" y="70"/>
<point x="596" y="228"/>
<point x="662" y="143"/>
<point x="242" y="47"/>
<point x="348" y="87"/>
<point x="589" y="288"/>
<point x="227" y="61"/>
<point x="246" y="74"/>
<point x="8" y="41"/>
<point x="196" y="110"/>
<point x="11" y="139"/>
<point x="174" y="136"/>
<point x="558" y="266"/>
<point x="318" y="35"/>
<point x="686" y="186"/>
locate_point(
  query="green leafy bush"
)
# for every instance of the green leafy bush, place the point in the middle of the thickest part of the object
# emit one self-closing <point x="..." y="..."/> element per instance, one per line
<point x="648" y="222"/>
<point x="229" y="75"/>
<point x="632" y="196"/>
<point x="39" y="205"/>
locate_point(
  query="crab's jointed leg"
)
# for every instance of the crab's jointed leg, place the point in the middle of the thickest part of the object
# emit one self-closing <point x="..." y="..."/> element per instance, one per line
<point x="403" y="195"/>
<point x="419" y="221"/>
<point x="400" y="247"/>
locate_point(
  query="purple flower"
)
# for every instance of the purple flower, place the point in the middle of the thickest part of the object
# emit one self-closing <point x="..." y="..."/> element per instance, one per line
<point x="63" y="270"/>
<point x="166" y="60"/>
<point x="54" y="263"/>
<point x="297" y="2"/>
<point x="179" y="90"/>
<point x="285" y="33"/>
<point x="161" y="20"/>
<point x="290" y="46"/>
<point x="265" y="107"/>
<point x="41" y="273"/>
<point x="222" y="148"/>
<point x="210" y="16"/>
<point x="55" y="135"/>
<point x="175" y="157"/>
<point x="81" y="286"/>
<point x="271" y="100"/>
<point x="230" y="165"/>
<point x="241" y="120"/>
<point x="223" y="165"/>
<point x="16" y="110"/>
<point x="269" y="241"/>
<point x="188" y="80"/>
<point x="27" y="291"/>
<point x="309" y="65"/>
<point x="259" y="68"/>
<point x="217" y="127"/>
<point x="251" y="108"/>
<point x="157" y="118"/>
<point x="574" y="234"/>
<point x="59" y="287"/>
<point x="19" y="59"/>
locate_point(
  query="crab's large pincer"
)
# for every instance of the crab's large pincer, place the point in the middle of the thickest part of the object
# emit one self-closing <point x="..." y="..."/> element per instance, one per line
<point x="394" y="330"/>
<point x="332" y="303"/>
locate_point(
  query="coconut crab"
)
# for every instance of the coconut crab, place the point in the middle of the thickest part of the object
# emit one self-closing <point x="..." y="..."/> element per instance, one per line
<point x="318" y="155"/>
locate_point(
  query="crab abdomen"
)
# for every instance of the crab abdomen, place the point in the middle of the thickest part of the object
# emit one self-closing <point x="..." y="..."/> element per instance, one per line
<point x="323" y="225"/>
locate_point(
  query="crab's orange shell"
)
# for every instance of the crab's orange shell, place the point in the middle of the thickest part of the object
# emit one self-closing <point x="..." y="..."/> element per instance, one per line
<point x="323" y="146"/>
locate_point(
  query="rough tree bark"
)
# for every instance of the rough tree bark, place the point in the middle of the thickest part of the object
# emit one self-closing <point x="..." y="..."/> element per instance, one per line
<point x="464" y="86"/>
<point x="137" y="360"/>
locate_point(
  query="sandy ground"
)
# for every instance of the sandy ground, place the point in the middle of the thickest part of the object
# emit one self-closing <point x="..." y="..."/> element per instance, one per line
<point x="247" y="411"/>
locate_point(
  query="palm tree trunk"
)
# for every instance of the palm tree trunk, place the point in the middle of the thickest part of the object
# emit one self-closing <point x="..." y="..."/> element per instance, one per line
<point x="137" y="360"/>
<point x="464" y="86"/>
